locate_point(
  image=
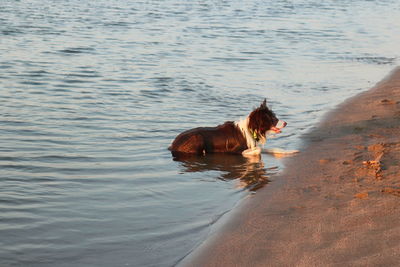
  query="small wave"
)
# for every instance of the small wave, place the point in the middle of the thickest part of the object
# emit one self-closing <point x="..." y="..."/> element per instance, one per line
<point x="77" y="50"/>
<point x="377" y="60"/>
<point x="85" y="75"/>
<point x="37" y="74"/>
<point x="64" y="169"/>
<point x="33" y="83"/>
<point x="230" y="59"/>
<point x="11" y="32"/>
<point x="251" y="53"/>
<point x="76" y="81"/>
<point x="117" y="24"/>
<point x="2" y="66"/>
<point x="155" y="94"/>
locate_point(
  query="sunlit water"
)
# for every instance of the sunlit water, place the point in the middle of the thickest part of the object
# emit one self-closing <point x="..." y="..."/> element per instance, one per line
<point x="93" y="92"/>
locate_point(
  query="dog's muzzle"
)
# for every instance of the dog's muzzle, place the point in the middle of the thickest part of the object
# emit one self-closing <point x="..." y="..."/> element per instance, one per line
<point x="281" y="124"/>
<point x="277" y="128"/>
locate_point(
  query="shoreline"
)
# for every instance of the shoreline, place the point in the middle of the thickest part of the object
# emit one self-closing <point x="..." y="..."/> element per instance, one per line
<point x="335" y="203"/>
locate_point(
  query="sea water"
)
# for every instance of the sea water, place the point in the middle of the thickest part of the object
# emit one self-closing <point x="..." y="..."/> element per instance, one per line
<point x="93" y="92"/>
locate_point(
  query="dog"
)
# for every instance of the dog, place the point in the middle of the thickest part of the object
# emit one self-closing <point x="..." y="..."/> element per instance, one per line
<point x="240" y="137"/>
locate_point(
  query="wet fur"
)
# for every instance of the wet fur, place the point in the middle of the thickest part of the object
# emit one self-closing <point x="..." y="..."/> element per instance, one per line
<point x="230" y="137"/>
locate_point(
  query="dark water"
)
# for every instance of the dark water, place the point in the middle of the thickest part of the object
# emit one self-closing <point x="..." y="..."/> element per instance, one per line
<point x="93" y="92"/>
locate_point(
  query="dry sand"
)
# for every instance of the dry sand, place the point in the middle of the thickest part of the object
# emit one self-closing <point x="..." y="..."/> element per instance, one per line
<point x="337" y="202"/>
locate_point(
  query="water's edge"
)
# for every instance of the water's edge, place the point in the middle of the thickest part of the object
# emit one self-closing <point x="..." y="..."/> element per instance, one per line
<point x="204" y="254"/>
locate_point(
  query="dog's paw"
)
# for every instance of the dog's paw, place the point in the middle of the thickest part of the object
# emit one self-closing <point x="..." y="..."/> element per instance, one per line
<point x="256" y="151"/>
<point x="280" y="152"/>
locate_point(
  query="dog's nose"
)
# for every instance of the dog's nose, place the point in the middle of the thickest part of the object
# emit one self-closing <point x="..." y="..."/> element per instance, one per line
<point x="281" y="124"/>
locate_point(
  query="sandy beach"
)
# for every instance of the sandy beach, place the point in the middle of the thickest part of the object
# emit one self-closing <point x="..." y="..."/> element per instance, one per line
<point x="336" y="203"/>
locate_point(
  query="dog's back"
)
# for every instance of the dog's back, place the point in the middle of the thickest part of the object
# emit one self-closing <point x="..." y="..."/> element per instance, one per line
<point x="225" y="138"/>
<point x="239" y="137"/>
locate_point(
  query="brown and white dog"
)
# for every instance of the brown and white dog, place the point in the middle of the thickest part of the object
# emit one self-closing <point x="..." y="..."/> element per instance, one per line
<point x="241" y="137"/>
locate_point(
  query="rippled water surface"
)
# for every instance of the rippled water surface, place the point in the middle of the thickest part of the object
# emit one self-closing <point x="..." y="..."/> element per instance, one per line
<point x="93" y="92"/>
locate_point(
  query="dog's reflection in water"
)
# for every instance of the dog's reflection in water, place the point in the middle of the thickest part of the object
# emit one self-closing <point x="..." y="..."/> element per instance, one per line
<point x="250" y="173"/>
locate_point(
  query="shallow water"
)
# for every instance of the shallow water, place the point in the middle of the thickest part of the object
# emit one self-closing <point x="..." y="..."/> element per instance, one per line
<point x="93" y="92"/>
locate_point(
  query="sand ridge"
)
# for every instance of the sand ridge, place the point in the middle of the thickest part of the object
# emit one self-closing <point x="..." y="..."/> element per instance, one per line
<point x="337" y="202"/>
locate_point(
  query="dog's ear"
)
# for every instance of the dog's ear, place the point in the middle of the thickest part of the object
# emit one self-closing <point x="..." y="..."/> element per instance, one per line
<point x="264" y="104"/>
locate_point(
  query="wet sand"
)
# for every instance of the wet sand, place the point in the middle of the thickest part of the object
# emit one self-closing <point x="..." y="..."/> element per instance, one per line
<point x="337" y="202"/>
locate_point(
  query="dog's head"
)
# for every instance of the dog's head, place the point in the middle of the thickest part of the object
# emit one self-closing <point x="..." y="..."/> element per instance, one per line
<point x="263" y="120"/>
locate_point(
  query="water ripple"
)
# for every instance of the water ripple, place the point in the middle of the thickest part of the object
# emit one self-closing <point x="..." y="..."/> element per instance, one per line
<point x="93" y="92"/>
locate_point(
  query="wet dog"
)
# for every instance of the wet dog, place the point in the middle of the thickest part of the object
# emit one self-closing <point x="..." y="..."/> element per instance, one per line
<point x="240" y="137"/>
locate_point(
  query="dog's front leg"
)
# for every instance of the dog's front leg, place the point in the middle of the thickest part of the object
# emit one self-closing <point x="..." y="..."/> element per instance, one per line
<point x="255" y="151"/>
